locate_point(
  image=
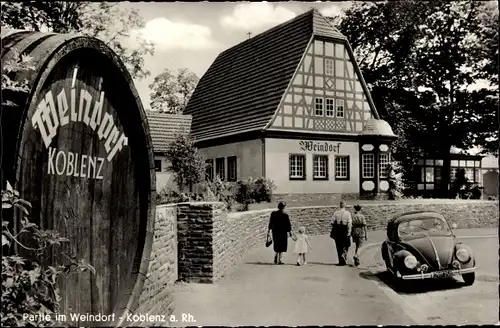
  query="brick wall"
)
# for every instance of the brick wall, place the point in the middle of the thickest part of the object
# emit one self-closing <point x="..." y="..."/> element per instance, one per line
<point x="157" y="294"/>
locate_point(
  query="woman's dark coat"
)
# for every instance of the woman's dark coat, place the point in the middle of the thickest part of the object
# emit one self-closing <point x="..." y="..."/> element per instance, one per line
<point x="280" y="226"/>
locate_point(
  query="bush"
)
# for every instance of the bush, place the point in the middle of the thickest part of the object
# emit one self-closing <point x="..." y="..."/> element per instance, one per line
<point x="411" y="197"/>
<point x="244" y="192"/>
<point x="262" y="190"/>
<point x="220" y="191"/>
<point x="28" y="287"/>
<point x="253" y="190"/>
<point x="472" y="191"/>
<point x="167" y="196"/>
<point x="396" y="182"/>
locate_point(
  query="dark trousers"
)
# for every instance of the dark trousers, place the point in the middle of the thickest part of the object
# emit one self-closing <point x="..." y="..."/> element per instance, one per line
<point x="342" y="244"/>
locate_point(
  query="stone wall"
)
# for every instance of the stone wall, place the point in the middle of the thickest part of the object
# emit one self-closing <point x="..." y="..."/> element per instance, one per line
<point x="237" y="233"/>
<point x="195" y="224"/>
<point x="157" y="294"/>
<point x="211" y="241"/>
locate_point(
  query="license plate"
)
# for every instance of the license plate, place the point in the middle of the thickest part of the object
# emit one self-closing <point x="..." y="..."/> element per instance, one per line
<point x="442" y="274"/>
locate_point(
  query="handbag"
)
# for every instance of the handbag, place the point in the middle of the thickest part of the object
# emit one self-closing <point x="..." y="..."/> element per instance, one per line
<point x="269" y="241"/>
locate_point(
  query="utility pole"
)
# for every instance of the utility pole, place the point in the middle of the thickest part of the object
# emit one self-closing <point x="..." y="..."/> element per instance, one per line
<point x="249" y="34"/>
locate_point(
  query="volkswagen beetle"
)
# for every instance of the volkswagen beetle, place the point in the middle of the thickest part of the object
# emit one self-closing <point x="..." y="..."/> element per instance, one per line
<point x="421" y="245"/>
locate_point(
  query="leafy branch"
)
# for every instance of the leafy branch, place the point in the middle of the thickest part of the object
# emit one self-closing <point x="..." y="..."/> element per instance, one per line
<point x="20" y="63"/>
<point x="27" y="286"/>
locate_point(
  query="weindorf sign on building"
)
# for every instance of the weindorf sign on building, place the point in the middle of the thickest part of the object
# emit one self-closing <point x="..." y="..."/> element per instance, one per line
<point x="57" y="111"/>
<point x="320" y="146"/>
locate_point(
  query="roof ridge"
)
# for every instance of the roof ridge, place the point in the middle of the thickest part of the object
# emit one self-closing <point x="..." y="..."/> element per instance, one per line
<point x="328" y="22"/>
<point x="329" y="27"/>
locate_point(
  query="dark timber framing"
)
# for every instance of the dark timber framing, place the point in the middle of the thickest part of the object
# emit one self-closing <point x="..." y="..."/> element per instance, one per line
<point x="303" y="91"/>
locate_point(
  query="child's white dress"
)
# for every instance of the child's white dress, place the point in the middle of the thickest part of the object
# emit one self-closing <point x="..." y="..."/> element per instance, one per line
<point x="301" y="244"/>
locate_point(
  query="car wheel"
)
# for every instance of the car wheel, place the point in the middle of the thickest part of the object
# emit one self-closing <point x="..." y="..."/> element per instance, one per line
<point x="469" y="278"/>
<point x="398" y="282"/>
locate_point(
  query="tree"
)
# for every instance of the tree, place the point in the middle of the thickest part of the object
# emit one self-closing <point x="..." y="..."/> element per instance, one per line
<point x="186" y="162"/>
<point x="488" y="42"/>
<point x="103" y="20"/>
<point x="488" y="69"/>
<point x="171" y="91"/>
<point x="420" y="59"/>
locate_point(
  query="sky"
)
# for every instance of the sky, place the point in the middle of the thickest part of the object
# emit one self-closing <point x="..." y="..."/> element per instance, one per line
<point x="192" y="34"/>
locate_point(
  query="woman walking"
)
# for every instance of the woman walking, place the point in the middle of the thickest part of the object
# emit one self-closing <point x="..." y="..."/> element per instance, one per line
<point x="359" y="231"/>
<point x="281" y="229"/>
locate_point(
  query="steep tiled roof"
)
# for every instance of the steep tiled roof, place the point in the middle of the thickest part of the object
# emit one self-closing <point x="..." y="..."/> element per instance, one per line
<point x="244" y="85"/>
<point x="165" y="127"/>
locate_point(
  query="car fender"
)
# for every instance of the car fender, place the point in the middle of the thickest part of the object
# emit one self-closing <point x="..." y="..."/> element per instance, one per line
<point x="399" y="257"/>
<point x="472" y="261"/>
<point x="384" y="249"/>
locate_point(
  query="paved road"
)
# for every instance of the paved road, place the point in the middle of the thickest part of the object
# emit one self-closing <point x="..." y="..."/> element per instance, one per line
<point x="259" y="293"/>
<point x="446" y="301"/>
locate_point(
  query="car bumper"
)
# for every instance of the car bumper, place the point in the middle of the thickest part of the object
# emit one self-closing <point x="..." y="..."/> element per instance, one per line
<point x="438" y="274"/>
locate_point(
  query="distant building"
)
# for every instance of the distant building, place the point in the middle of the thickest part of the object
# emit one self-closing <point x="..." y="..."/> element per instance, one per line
<point x="291" y="104"/>
<point x="164" y="128"/>
<point x="489" y="170"/>
<point x="482" y="170"/>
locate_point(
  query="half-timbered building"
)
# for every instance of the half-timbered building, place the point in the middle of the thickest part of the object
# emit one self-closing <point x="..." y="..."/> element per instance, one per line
<point x="291" y="105"/>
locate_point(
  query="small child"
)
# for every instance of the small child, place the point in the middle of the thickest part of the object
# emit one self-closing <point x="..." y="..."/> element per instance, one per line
<point x="302" y="245"/>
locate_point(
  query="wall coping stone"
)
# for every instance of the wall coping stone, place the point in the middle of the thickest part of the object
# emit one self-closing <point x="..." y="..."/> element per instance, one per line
<point x="363" y="204"/>
<point x="166" y="205"/>
<point x="375" y="203"/>
<point x="201" y="203"/>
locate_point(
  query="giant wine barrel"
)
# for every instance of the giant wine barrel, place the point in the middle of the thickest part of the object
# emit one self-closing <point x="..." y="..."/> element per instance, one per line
<point x="77" y="146"/>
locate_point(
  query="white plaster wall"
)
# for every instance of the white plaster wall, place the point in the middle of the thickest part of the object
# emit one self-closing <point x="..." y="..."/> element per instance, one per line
<point x="277" y="168"/>
<point x="248" y="153"/>
<point x="164" y="179"/>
